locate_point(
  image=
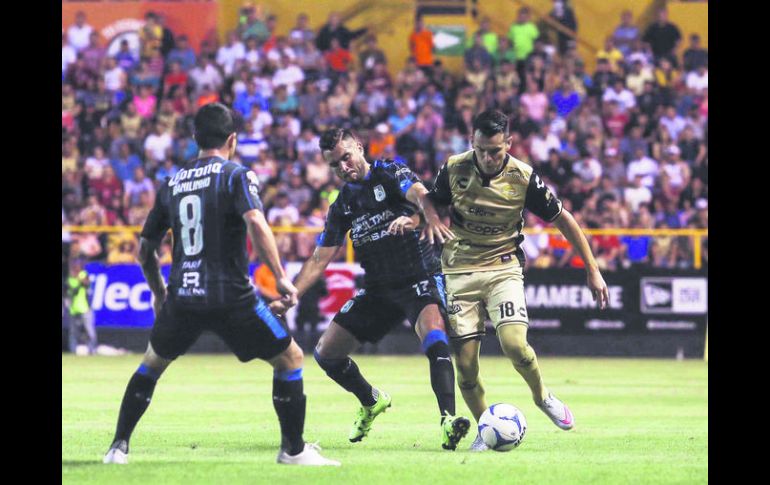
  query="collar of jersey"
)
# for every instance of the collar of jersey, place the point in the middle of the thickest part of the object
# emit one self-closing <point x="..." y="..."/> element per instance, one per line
<point x="483" y="176"/>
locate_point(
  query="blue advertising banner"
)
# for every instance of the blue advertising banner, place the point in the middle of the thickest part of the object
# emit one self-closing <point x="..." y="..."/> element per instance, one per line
<point x="120" y="295"/>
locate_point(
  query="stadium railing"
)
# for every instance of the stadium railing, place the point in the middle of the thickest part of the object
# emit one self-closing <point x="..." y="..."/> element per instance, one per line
<point x="697" y="235"/>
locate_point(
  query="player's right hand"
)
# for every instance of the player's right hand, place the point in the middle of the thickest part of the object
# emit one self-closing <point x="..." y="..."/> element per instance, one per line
<point x="436" y="231"/>
<point x="287" y="290"/>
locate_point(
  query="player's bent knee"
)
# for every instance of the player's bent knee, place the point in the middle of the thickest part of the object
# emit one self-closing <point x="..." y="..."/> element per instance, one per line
<point x="291" y="358"/>
<point x="154" y="362"/>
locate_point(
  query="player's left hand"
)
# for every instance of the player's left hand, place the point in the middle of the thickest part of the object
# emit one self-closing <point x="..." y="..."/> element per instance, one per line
<point x="157" y="302"/>
<point x="599" y="289"/>
<point x="279" y="307"/>
<point x="401" y="225"/>
<point x="436" y="231"/>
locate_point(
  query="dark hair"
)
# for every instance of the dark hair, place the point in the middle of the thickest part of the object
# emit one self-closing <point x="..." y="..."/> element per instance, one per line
<point x="491" y="122"/>
<point x="331" y="137"/>
<point x="214" y="123"/>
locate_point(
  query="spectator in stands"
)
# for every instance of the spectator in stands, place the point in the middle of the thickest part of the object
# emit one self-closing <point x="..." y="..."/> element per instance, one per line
<point x="157" y="145"/>
<point x="613" y="55"/>
<point x="523" y="33"/>
<point x="151" y="36"/>
<point x="183" y="54"/>
<point x="93" y="53"/>
<point x="535" y="102"/>
<point x="145" y="103"/>
<point x="95" y="164"/>
<point x="566" y="99"/>
<point x="134" y="187"/>
<point x="563" y="14"/>
<point x="253" y="25"/>
<point x="477" y="57"/>
<point x="602" y="79"/>
<point x="301" y="33"/>
<point x="590" y="172"/>
<point x="695" y="55"/>
<point x="205" y="74"/>
<point x="664" y="37"/>
<point x="333" y="29"/>
<point x="288" y="74"/>
<point x="626" y="33"/>
<point x="371" y="55"/>
<point x="68" y="54"/>
<point x="125" y="58"/>
<point x="488" y="37"/>
<point x="421" y="46"/>
<point x="230" y="54"/>
<point x="167" y="41"/>
<point x="543" y="143"/>
<point x="337" y="57"/>
<point x="79" y="33"/>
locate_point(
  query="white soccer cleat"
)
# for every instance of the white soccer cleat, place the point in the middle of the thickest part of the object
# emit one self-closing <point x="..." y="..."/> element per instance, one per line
<point x="478" y="444"/>
<point x="309" y="456"/>
<point x="115" y="455"/>
<point x="558" y="412"/>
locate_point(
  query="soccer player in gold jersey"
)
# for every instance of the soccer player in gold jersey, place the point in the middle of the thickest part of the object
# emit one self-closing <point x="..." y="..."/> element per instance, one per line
<point x="487" y="191"/>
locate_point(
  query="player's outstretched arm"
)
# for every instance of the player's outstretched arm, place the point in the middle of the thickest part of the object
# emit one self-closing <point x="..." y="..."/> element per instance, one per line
<point x="434" y="228"/>
<point x="571" y="230"/>
<point x="150" y="264"/>
<point x="262" y="239"/>
<point x="312" y="270"/>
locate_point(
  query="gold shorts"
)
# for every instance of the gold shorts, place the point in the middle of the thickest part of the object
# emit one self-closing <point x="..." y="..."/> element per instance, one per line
<point x="474" y="297"/>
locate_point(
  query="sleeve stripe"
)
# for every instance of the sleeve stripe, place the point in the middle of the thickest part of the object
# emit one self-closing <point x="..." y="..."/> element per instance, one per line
<point x="230" y="181"/>
<point x="248" y="195"/>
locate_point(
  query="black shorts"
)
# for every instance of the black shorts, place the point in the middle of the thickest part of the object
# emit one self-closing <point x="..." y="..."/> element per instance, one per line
<point x="374" y="311"/>
<point x="250" y="331"/>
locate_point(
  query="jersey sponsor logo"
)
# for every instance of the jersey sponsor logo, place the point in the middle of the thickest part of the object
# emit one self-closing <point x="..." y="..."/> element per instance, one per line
<point x="191" y="186"/>
<point x="191" y="278"/>
<point x="379" y="193"/>
<point x="453" y="309"/>
<point x="484" y="229"/>
<point x="375" y="236"/>
<point x="194" y="173"/>
<point x="480" y="211"/>
<point x="195" y="264"/>
<point x="368" y="222"/>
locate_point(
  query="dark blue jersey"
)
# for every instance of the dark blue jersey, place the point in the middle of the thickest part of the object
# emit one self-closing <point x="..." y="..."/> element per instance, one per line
<point x="366" y="209"/>
<point x="203" y="204"/>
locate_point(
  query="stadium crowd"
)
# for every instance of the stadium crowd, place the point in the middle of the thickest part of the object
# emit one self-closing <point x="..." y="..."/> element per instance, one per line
<point x="624" y="146"/>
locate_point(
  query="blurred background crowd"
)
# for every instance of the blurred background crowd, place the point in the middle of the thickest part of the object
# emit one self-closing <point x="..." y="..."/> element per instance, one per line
<point x="624" y="146"/>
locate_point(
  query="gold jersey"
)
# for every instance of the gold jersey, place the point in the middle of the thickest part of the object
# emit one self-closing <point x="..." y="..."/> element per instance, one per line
<point x="487" y="212"/>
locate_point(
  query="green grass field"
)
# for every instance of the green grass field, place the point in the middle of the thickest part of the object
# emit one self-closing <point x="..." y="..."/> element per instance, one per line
<point x="212" y="421"/>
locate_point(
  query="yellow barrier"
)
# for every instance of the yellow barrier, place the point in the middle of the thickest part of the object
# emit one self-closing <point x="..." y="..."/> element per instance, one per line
<point x="696" y="234"/>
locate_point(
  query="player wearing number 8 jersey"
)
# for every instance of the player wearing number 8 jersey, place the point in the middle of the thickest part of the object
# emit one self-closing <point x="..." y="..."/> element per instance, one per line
<point x="487" y="191"/>
<point x="402" y="278"/>
<point x="210" y="206"/>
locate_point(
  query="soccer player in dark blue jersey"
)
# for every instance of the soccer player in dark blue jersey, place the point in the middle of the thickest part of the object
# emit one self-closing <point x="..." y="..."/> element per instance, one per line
<point x="211" y="205"/>
<point x="378" y="205"/>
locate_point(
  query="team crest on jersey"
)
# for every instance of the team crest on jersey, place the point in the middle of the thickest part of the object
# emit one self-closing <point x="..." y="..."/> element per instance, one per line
<point x="379" y="193"/>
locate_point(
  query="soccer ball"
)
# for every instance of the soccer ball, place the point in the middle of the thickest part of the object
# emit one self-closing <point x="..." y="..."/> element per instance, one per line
<point x="502" y="427"/>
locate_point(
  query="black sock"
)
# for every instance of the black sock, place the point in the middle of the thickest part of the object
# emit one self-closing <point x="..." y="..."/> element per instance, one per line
<point x="136" y="399"/>
<point x="442" y="377"/>
<point x="345" y="373"/>
<point x="289" y="403"/>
